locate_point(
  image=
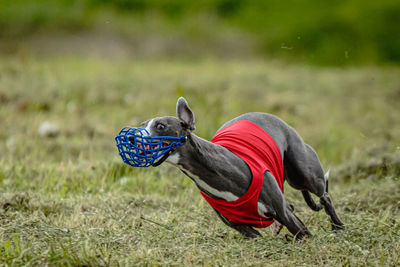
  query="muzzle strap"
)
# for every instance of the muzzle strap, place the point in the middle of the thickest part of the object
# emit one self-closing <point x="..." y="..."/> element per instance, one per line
<point x="183" y="141"/>
<point x="166" y="155"/>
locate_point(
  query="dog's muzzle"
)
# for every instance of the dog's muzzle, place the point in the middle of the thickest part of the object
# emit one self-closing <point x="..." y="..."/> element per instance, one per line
<point x="139" y="149"/>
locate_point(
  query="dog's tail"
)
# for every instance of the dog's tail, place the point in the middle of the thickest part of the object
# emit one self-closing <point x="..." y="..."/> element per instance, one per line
<point x="310" y="201"/>
<point x="326" y="177"/>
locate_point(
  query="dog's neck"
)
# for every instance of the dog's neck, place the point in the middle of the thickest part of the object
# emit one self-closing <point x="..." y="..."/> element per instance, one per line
<point x="217" y="172"/>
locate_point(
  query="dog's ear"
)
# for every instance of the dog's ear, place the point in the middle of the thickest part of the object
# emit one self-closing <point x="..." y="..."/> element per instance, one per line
<point x="184" y="113"/>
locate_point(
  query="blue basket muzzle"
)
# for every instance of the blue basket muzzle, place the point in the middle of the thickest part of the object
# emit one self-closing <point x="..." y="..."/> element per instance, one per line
<point x="139" y="149"/>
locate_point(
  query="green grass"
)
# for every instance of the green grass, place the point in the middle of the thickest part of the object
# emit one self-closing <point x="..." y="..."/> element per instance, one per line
<point x="69" y="200"/>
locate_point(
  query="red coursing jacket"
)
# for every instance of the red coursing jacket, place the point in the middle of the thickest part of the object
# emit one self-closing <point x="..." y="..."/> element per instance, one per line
<point x="260" y="152"/>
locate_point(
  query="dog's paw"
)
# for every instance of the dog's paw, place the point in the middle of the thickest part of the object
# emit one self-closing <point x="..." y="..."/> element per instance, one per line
<point x="276" y="227"/>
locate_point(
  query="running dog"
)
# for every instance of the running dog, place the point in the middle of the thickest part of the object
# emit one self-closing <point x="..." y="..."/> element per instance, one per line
<point x="241" y="171"/>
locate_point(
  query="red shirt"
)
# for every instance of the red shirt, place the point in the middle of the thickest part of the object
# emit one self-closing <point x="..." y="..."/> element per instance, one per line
<point x="260" y="152"/>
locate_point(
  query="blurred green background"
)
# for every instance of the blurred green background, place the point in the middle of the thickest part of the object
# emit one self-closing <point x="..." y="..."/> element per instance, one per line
<point x="337" y="32"/>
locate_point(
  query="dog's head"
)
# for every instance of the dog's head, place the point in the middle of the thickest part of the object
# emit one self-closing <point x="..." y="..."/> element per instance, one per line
<point x="182" y="125"/>
<point x="157" y="139"/>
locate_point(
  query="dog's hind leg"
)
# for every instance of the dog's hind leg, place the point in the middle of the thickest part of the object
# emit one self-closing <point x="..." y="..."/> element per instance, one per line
<point x="304" y="172"/>
<point x="245" y="230"/>
<point x="327" y="204"/>
<point x="310" y="201"/>
<point x="336" y="223"/>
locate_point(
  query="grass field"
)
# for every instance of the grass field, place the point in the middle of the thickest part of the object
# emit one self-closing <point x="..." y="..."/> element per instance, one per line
<point x="67" y="199"/>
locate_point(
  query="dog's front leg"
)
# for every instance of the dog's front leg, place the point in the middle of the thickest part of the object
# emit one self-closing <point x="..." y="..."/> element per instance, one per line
<point x="245" y="230"/>
<point x="277" y="208"/>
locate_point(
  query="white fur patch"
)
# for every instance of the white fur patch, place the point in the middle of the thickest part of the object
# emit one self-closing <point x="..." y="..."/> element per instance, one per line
<point x="174" y="158"/>
<point x="326" y="176"/>
<point x="228" y="196"/>
<point x="148" y="127"/>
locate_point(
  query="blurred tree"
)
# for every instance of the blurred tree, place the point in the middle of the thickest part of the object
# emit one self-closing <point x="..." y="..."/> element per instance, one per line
<point x="322" y="32"/>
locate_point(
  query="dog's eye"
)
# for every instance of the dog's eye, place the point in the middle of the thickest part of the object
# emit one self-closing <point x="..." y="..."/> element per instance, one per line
<point x="160" y="126"/>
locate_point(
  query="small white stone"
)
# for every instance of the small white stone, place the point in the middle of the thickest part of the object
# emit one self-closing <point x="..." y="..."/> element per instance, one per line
<point x="48" y="129"/>
<point x="11" y="144"/>
<point x="123" y="180"/>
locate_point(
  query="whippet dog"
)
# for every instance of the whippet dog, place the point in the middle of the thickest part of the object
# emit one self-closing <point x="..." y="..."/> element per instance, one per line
<point x="221" y="174"/>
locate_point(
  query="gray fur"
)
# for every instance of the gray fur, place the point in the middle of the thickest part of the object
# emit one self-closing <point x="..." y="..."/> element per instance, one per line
<point x="215" y="167"/>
